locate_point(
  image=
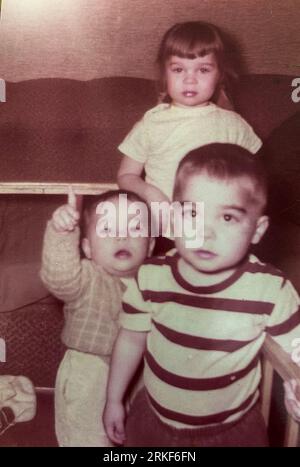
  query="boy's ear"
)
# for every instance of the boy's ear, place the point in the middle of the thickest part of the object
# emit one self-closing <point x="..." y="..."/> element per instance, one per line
<point x="151" y="246"/>
<point x="86" y="247"/>
<point x="261" y="228"/>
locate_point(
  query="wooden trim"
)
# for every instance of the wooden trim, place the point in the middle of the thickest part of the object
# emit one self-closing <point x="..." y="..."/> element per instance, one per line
<point x="266" y="389"/>
<point x="281" y="362"/>
<point x="55" y="188"/>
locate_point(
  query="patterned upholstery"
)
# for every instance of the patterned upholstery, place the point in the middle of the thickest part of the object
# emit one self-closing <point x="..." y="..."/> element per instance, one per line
<point x="32" y="340"/>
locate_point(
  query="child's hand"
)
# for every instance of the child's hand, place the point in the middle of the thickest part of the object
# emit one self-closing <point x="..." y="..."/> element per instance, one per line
<point x="113" y="419"/>
<point x="292" y="398"/>
<point x="66" y="217"/>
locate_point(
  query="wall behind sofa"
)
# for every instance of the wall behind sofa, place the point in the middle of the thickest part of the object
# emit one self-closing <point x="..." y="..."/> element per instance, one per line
<point x="85" y="39"/>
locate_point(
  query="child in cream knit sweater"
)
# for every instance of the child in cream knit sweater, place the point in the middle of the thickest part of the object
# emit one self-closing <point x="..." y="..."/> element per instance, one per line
<point x="91" y="289"/>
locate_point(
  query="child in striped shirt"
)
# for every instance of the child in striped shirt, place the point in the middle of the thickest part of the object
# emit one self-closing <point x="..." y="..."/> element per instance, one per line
<point x="200" y="316"/>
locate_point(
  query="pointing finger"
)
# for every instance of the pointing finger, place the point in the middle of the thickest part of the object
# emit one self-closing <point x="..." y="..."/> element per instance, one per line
<point x="71" y="197"/>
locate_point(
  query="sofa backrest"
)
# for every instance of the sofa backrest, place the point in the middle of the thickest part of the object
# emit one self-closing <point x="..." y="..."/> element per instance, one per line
<point x="68" y="130"/>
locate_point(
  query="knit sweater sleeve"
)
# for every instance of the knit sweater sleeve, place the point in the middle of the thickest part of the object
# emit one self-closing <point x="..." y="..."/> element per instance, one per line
<point x="61" y="270"/>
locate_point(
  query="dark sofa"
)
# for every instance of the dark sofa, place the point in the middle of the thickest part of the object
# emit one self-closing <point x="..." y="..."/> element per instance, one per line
<point x="66" y="130"/>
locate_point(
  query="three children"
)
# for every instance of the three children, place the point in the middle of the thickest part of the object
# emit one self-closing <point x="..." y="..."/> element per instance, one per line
<point x="199" y="316"/>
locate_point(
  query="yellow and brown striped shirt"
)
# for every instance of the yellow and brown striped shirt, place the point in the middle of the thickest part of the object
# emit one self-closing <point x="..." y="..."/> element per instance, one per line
<point x="202" y="362"/>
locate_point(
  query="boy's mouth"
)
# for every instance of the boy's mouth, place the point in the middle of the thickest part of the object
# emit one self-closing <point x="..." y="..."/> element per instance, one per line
<point x="205" y="254"/>
<point x="122" y="254"/>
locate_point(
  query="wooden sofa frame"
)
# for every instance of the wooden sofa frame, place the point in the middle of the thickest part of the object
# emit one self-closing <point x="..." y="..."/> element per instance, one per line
<point x="275" y="359"/>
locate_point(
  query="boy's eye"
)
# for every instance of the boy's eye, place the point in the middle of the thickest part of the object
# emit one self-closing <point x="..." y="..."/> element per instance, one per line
<point x="228" y="217"/>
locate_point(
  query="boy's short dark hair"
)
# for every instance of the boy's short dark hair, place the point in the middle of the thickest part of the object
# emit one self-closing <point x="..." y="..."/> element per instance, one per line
<point x="91" y="202"/>
<point x="223" y="161"/>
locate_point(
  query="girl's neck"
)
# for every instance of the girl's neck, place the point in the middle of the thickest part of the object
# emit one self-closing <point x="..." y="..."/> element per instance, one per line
<point x="176" y="104"/>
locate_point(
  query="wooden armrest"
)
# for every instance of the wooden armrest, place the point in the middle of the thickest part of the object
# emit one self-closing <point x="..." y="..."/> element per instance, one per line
<point x="276" y="359"/>
<point x="280" y="360"/>
<point x="54" y="188"/>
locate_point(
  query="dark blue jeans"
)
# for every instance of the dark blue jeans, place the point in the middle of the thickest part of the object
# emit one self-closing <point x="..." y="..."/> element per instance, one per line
<point x="144" y="428"/>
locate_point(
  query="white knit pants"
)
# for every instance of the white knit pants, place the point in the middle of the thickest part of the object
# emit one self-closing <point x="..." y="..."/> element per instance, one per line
<point x="80" y="395"/>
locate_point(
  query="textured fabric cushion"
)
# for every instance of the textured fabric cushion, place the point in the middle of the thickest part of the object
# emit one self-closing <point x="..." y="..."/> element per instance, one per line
<point x="264" y="101"/>
<point x="22" y="223"/>
<point x="67" y="130"/>
<point x="32" y="341"/>
<point x="20" y="285"/>
<point x="281" y="152"/>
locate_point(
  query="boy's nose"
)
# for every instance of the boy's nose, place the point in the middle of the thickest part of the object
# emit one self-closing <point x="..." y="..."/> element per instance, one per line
<point x="209" y="232"/>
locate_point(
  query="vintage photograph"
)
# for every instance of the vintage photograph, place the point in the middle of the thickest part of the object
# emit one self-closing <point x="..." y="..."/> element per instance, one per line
<point x="149" y="224"/>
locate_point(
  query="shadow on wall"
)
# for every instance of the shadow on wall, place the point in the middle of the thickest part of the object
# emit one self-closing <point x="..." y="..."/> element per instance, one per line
<point x="92" y="44"/>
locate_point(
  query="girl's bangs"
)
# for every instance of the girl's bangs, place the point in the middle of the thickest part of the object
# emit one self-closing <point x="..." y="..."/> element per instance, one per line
<point x="192" y="49"/>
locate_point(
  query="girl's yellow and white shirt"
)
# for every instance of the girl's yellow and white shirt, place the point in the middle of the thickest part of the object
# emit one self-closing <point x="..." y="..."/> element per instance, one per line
<point x="168" y="132"/>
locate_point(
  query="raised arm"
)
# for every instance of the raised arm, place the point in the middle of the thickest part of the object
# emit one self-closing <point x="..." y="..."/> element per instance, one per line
<point x="127" y="354"/>
<point x="61" y="264"/>
<point x="129" y="177"/>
